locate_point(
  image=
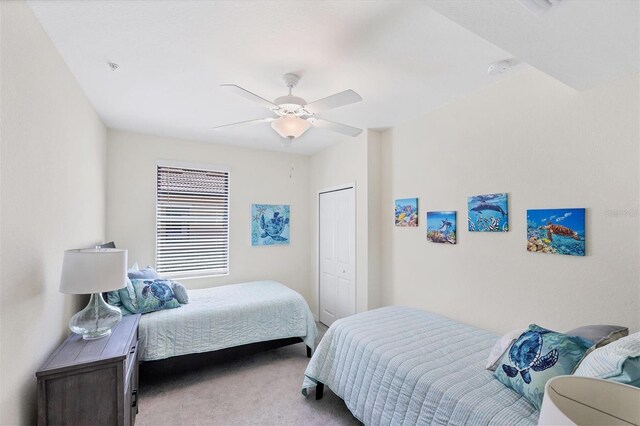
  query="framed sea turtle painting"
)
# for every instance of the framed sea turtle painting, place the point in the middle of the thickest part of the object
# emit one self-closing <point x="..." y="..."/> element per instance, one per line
<point x="407" y="212"/>
<point x="488" y="213"/>
<point x="270" y="224"/>
<point x="556" y="231"/>
<point x="441" y="227"/>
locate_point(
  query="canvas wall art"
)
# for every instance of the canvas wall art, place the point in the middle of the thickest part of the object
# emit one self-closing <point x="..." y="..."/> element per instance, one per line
<point x="407" y="212"/>
<point x="556" y="231"/>
<point x="488" y="213"/>
<point x="441" y="227"/>
<point x="270" y="224"/>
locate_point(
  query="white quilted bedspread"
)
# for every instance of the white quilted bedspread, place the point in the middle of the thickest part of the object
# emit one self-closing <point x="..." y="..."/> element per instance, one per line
<point x="226" y="316"/>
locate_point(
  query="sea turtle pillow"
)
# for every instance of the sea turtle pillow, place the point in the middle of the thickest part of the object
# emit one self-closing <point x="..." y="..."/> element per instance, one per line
<point x="152" y="295"/>
<point x="537" y="356"/>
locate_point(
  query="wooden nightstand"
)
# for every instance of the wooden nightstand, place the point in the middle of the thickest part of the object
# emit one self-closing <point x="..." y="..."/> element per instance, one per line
<point x="92" y="382"/>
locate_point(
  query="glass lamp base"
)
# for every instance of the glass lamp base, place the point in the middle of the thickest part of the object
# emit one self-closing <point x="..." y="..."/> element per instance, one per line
<point x="96" y="320"/>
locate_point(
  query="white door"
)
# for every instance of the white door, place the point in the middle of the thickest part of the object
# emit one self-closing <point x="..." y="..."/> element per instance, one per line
<point x="337" y="255"/>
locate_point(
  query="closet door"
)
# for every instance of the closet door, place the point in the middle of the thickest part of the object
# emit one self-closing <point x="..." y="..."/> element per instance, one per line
<point x="337" y="263"/>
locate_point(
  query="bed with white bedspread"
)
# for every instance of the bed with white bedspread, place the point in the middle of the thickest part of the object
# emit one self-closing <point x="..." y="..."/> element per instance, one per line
<point x="226" y="316"/>
<point x="404" y="366"/>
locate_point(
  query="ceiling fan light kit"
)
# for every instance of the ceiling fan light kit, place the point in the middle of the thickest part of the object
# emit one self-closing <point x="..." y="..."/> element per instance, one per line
<point x="295" y="115"/>
<point x="290" y="126"/>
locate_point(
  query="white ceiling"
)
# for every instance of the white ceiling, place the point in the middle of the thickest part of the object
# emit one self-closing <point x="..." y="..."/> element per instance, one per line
<point x="403" y="57"/>
<point x="580" y="42"/>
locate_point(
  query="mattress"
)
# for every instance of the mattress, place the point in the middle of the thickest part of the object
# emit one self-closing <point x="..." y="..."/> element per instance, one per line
<point x="226" y="316"/>
<point x="404" y="366"/>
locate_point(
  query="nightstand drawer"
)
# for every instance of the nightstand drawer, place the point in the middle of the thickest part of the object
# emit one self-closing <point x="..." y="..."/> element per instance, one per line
<point x="132" y="351"/>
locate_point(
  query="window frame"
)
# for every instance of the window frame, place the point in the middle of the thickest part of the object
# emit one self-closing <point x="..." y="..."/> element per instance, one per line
<point x="201" y="167"/>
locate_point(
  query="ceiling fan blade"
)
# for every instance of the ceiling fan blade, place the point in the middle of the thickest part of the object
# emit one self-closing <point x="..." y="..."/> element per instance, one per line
<point x="334" y="101"/>
<point x="256" y="121"/>
<point x="251" y="96"/>
<point x="335" y="127"/>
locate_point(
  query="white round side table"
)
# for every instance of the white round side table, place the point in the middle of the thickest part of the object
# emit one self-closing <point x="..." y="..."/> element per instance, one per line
<point x="574" y="400"/>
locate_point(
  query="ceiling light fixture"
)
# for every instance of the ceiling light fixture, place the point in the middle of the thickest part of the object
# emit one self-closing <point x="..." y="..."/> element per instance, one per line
<point x="290" y="126"/>
<point x="539" y="7"/>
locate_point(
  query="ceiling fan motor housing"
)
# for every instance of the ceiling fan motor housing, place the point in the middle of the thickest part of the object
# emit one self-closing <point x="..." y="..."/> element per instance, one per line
<point x="291" y="105"/>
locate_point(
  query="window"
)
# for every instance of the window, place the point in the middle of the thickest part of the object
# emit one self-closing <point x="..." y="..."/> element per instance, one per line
<point x="192" y="220"/>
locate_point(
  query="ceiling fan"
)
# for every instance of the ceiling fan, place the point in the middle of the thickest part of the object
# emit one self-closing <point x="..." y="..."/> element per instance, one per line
<point x="294" y="115"/>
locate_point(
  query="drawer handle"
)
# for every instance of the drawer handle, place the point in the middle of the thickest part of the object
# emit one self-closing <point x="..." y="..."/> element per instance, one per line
<point x="134" y="396"/>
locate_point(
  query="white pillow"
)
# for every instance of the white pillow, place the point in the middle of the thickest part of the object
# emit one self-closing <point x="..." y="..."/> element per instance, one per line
<point x="618" y="361"/>
<point x="180" y="291"/>
<point x="501" y="347"/>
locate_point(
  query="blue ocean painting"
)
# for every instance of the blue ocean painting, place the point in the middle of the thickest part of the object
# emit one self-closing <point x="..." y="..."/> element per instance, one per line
<point x="270" y="224"/>
<point x="488" y="213"/>
<point x="441" y="227"/>
<point x="556" y="231"/>
<point x="406" y="213"/>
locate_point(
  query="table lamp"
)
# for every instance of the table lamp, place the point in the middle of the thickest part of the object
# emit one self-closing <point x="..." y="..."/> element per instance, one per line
<point x="93" y="271"/>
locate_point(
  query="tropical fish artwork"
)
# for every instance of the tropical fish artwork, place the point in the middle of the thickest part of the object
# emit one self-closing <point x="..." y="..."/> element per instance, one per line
<point x="441" y="227"/>
<point x="556" y="231"/>
<point x="407" y="212"/>
<point x="270" y="224"/>
<point x="488" y="213"/>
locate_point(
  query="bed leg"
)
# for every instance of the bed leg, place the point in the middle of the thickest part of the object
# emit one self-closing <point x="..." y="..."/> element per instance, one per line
<point x="308" y="352"/>
<point x="319" y="391"/>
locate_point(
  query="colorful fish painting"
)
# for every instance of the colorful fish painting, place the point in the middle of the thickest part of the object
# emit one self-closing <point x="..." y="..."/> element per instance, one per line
<point x="406" y="213"/>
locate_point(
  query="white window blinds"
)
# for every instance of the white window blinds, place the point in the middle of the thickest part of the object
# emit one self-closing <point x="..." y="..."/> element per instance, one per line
<point x="192" y="221"/>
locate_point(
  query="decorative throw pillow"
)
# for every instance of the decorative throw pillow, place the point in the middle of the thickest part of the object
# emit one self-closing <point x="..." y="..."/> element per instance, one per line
<point x="128" y="297"/>
<point x="600" y="335"/>
<point x="147" y="273"/>
<point x="113" y="298"/>
<point x="124" y="311"/>
<point x="180" y="291"/>
<point x="501" y="347"/>
<point x="537" y="356"/>
<point x="618" y="361"/>
<point x="153" y="295"/>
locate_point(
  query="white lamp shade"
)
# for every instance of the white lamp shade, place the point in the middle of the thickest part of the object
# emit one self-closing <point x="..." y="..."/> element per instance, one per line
<point x="290" y="126"/>
<point x="87" y="271"/>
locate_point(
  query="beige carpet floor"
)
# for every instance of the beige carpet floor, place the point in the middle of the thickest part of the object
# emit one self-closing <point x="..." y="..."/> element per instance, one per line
<point x="250" y="386"/>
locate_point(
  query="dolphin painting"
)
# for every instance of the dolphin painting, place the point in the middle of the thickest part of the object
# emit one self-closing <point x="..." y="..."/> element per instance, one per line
<point x="488" y="206"/>
<point x="445" y="225"/>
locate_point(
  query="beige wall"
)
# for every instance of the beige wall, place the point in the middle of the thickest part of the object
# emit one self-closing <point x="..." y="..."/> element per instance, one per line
<point x="547" y="146"/>
<point x="374" y="219"/>
<point x="344" y="163"/>
<point x="52" y="169"/>
<point x="256" y="177"/>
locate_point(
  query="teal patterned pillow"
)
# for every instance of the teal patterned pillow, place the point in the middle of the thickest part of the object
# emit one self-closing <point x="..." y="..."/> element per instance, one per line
<point x="113" y="298"/>
<point x="128" y="297"/>
<point x="153" y="295"/>
<point x="125" y="312"/>
<point x="537" y="356"/>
